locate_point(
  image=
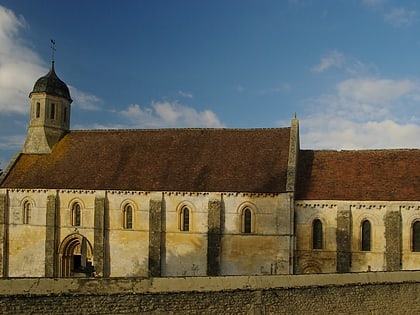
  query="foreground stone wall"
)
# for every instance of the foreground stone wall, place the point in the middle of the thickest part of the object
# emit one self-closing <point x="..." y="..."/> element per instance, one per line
<point x="367" y="293"/>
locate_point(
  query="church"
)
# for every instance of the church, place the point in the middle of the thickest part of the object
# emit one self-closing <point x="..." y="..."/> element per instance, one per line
<point x="199" y="202"/>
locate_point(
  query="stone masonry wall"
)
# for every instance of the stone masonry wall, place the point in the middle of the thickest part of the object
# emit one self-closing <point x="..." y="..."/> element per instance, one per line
<point x="368" y="293"/>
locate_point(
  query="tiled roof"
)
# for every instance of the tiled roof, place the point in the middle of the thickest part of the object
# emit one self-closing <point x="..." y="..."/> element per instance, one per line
<point x="237" y="160"/>
<point x="359" y="175"/>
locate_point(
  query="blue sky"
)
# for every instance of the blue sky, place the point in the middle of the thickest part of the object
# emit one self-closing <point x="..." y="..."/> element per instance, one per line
<point x="350" y="70"/>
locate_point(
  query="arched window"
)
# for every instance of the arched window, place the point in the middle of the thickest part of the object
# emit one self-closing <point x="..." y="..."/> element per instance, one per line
<point x="317" y="239"/>
<point x="26" y="212"/>
<point x="184" y="219"/>
<point x="366" y="235"/>
<point x="128" y="217"/>
<point x="416" y="236"/>
<point x="246" y="220"/>
<point x="75" y="214"/>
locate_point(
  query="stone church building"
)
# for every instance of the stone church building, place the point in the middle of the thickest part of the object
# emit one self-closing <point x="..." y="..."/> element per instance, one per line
<point x="199" y="202"/>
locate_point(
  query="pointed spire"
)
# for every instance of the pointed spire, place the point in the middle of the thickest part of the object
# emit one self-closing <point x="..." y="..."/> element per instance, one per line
<point x="52" y="50"/>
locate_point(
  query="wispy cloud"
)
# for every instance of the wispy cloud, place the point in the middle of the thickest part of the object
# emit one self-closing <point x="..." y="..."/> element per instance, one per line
<point x="84" y="100"/>
<point x="282" y="88"/>
<point x="333" y="59"/>
<point x="373" y="2"/>
<point x="300" y="2"/>
<point x="239" y="88"/>
<point x="396" y="16"/>
<point x="401" y="17"/>
<point x="169" y="114"/>
<point x="185" y="94"/>
<point x="12" y="142"/>
<point x="341" y="61"/>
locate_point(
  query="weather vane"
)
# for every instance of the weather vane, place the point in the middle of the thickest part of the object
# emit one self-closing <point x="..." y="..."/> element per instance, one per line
<point x="52" y="49"/>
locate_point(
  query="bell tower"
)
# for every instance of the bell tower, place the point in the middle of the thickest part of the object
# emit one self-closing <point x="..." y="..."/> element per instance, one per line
<point x="49" y="113"/>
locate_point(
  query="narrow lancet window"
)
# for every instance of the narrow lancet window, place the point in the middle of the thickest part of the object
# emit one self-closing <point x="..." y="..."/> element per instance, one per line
<point x="366" y="235"/>
<point x="416" y="236"/>
<point x="317" y="237"/>
<point x="246" y="221"/>
<point x="184" y="219"/>
<point x="75" y="215"/>
<point x="26" y="212"/>
<point x="128" y="217"/>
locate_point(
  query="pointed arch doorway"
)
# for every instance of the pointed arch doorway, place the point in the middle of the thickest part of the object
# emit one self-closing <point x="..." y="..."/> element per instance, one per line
<point x="75" y="255"/>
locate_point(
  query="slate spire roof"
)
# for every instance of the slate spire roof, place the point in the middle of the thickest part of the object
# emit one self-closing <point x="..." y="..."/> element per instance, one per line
<point x="51" y="84"/>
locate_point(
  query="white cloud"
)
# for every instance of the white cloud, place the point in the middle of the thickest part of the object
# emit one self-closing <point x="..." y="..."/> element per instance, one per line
<point x="84" y="100"/>
<point x="401" y="17"/>
<point x="364" y="113"/>
<point x="373" y="90"/>
<point x="19" y="66"/>
<point x="341" y="133"/>
<point x="333" y="59"/>
<point x="169" y="114"/>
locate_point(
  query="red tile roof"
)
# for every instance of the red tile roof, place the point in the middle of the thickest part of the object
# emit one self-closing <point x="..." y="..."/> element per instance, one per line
<point x="359" y="175"/>
<point x="237" y="160"/>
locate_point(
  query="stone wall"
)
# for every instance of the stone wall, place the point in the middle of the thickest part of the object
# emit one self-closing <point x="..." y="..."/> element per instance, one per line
<point x="364" y="293"/>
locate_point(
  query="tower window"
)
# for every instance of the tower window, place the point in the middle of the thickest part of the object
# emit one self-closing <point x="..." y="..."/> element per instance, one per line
<point x="75" y="214"/>
<point x="246" y="220"/>
<point x="184" y="219"/>
<point x="52" y="111"/>
<point x="128" y="217"/>
<point x="415" y="234"/>
<point x="26" y="212"/>
<point x="366" y="235"/>
<point x="317" y="237"/>
<point x="38" y="110"/>
<point x="65" y="114"/>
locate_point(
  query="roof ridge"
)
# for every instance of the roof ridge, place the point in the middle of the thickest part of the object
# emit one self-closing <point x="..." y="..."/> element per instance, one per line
<point x="175" y="129"/>
<point x="361" y="150"/>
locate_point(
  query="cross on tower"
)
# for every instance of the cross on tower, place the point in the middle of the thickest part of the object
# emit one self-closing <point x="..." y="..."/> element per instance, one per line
<point x="52" y="49"/>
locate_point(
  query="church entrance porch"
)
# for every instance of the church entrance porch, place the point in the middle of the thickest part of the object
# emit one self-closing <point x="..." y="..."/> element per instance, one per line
<point x="75" y="257"/>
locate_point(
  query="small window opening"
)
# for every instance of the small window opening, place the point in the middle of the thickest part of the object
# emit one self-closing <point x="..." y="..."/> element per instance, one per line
<point x="65" y="114"/>
<point x="128" y="217"/>
<point x="26" y="212"/>
<point x="38" y="110"/>
<point x="247" y="221"/>
<point x="52" y="111"/>
<point x="366" y="235"/>
<point x="416" y="236"/>
<point x="75" y="215"/>
<point x="185" y="219"/>
<point x="317" y="237"/>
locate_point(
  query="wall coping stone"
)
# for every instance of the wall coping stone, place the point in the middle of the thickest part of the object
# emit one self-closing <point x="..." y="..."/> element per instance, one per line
<point x="108" y="286"/>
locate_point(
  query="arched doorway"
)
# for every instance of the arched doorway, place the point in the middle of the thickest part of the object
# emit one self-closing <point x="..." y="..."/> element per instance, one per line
<point x="75" y="255"/>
